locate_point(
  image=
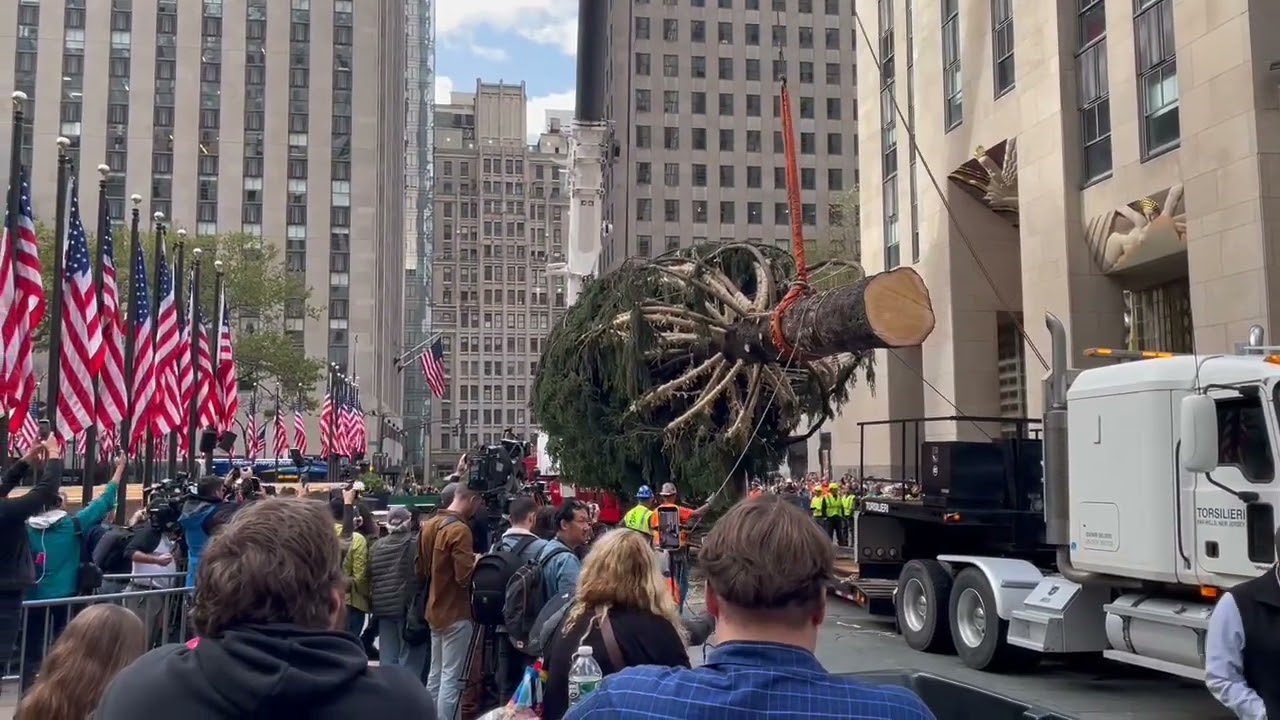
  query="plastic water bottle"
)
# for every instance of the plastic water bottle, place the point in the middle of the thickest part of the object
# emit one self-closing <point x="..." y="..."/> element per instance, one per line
<point x="584" y="676"/>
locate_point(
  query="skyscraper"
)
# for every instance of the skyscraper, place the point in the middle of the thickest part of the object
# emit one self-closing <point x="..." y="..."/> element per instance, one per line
<point x="419" y="235"/>
<point x="500" y="214"/>
<point x="277" y="119"/>
<point x="693" y="90"/>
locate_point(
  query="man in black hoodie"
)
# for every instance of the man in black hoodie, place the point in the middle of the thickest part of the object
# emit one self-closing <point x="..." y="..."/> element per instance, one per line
<point x="17" y="568"/>
<point x="269" y="612"/>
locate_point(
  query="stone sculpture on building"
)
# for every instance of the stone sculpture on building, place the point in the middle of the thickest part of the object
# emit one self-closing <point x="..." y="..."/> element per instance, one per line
<point x="992" y="177"/>
<point x="1151" y="228"/>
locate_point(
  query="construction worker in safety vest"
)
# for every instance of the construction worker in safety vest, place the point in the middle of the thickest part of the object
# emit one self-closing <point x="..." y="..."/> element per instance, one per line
<point x="848" y="504"/>
<point x="834" y="510"/>
<point x="637" y="518"/>
<point x="666" y="517"/>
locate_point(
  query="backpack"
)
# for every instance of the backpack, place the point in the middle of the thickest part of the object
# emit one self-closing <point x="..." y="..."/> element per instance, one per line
<point x="88" y="575"/>
<point x="490" y="579"/>
<point x="547" y="623"/>
<point x="108" y="552"/>
<point x="416" y="631"/>
<point x="525" y="598"/>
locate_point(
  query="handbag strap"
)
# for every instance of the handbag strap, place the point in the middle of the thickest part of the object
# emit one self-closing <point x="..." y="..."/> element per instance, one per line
<point x="611" y="643"/>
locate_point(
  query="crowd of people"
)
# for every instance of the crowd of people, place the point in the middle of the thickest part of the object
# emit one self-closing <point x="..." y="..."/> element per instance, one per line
<point x="291" y="597"/>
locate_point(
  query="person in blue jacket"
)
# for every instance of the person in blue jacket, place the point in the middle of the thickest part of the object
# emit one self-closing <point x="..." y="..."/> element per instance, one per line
<point x="56" y="538"/>
<point x="201" y="515"/>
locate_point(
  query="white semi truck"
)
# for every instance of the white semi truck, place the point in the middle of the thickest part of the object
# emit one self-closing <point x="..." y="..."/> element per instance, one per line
<point x="1159" y="494"/>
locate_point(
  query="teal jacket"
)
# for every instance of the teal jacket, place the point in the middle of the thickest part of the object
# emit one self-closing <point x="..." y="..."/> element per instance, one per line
<point x="53" y="534"/>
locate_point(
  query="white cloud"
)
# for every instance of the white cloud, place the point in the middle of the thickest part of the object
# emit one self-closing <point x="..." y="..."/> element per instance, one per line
<point x="536" y="111"/>
<point x="492" y="54"/>
<point x="547" y="22"/>
<point x="444" y="88"/>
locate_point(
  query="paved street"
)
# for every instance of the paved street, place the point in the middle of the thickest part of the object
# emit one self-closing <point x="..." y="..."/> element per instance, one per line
<point x="1086" y="689"/>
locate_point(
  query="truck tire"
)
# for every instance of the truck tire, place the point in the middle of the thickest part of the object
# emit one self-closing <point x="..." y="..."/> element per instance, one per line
<point x="978" y="633"/>
<point x="924" y="594"/>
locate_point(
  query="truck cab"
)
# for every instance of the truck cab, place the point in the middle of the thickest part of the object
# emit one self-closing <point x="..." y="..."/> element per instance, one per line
<point x="1136" y="510"/>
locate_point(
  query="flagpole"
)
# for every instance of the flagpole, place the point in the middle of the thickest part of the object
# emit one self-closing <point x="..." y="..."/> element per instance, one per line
<point x="60" y="223"/>
<point x="193" y="332"/>
<point x="179" y="261"/>
<point x="149" y="464"/>
<point x="91" y="432"/>
<point x="327" y="433"/>
<point x="130" y="345"/>
<point x="11" y="226"/>
<point x="215" y="349"/>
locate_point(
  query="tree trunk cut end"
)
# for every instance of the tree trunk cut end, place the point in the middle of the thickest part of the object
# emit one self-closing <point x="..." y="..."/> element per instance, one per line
<point x="898" y="308"/>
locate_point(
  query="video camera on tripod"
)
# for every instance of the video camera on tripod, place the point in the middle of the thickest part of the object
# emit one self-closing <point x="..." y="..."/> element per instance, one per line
<point x="165" y="500"/>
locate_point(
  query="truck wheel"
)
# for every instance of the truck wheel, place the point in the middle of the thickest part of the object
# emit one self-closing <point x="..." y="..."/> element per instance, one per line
<point x="924" y="591"/>
<point x="977" y="631"/>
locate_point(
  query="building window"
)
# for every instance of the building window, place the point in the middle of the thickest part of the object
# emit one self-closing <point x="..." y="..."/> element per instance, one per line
<point x="1095" y="97"/>
<point x="1157" y="75"/>
<point x="952" y="84"/>
<point x="1002" y="44"/>
<point x="892" y="251"/>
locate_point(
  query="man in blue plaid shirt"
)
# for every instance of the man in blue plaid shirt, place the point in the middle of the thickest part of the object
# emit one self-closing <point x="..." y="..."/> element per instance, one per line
<point x="767" y="566"/>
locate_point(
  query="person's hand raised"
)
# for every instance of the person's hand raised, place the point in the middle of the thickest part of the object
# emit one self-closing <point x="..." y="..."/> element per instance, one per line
<point x="52" y="447"/>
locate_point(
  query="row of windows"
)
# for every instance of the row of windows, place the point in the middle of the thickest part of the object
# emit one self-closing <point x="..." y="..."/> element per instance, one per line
<point x="804" y="7"/>
<point x="1158" y="96"/>
<point x="805" y="36"/>
<point x="728" y="212"/>
<point x="698" y="136"/>
<point x="728" y="176"/>
<point x="727" y="104"/>
<point x="725" y="68"/>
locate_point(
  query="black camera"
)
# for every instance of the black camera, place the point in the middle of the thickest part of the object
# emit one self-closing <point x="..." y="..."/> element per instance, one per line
<point x="165" y="500"/>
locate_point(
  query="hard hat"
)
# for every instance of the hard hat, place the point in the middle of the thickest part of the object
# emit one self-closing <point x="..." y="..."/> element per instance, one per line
<point x="667" y="489"/>
<point x="833" y="486"/>
<point x="644" y="493"/>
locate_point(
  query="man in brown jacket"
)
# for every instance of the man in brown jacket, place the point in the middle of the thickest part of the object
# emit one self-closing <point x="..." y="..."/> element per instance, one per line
<point x="446" y="558"/>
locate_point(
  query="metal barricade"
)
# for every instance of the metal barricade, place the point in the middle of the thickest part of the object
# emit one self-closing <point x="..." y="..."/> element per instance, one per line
<point x="160" y="600"/>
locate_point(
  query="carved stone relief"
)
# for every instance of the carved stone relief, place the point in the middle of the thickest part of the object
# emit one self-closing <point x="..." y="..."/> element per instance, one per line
<point x="1149" y="229"/>
<point x="992" y="177"/>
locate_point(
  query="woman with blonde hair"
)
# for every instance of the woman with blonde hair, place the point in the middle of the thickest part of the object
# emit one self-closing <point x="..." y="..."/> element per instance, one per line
<point x="98" y="643"/>
<point x="622" y="609"/>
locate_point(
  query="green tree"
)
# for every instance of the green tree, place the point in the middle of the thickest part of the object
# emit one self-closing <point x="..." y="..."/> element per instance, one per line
<point x="258" y="288"/>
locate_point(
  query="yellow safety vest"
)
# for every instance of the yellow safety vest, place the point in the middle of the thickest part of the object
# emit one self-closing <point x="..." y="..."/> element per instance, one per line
<point x="848" y="502"/>
<point x="833" y="506"/>
<point x="637" y="518"/>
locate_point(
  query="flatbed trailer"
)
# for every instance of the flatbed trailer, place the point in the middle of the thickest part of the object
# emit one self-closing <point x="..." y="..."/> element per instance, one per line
<point x="975" y="498"/>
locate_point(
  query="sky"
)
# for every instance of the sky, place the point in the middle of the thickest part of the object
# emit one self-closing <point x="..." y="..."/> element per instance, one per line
<point x="534" y="41"/>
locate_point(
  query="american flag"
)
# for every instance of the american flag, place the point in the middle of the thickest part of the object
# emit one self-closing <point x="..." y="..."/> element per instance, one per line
<point x="225" y="385"/>
<point x="166" y="415"/>
<point x="254" y="439"/>
<point x="433" y="368"/>
<point x="111" y="388"/>
<point x="327" y="434"/>
<point x="206" y="398"/>
<point x="82" y="349"/>
<point x="29" y="431"/>
<point x="300" y="428"/>
<point x="185" y="370"/>
<point x="26" y="311"/>
<point x="346" y="423"/>
<point x="360" y="438"/>
<point x="143" y="358"/>
<point x="107" y="445"/>
<point x="280" y="434"/>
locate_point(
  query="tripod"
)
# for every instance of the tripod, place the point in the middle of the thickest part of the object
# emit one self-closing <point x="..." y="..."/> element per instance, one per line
<point x="482" y="648"/>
